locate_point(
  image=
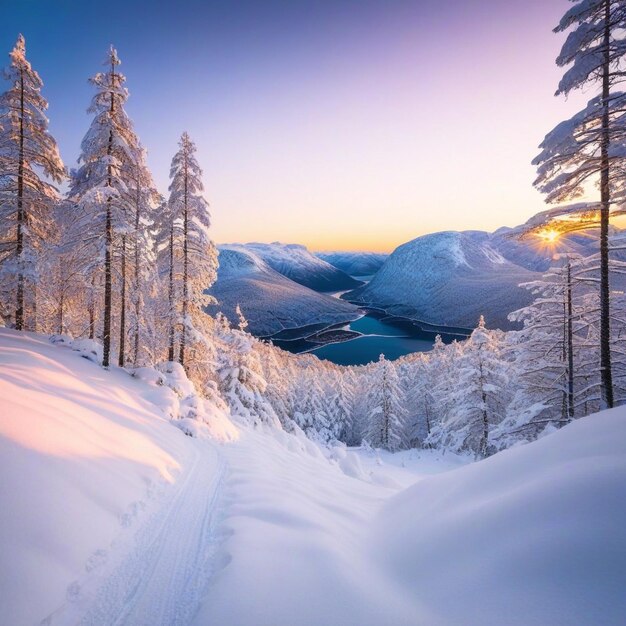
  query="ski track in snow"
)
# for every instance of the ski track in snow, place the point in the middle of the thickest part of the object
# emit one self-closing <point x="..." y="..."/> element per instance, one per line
<point x="162" y="577"/>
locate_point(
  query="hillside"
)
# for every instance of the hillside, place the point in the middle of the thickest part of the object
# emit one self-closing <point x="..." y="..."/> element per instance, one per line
<point x="88" y="458"/>
<point x="355" y="263"/>
<point x="113" y="515"/>
<point x="270" y="301"/>
<point x="296" y="263"/>
<point x="448" y="278"/>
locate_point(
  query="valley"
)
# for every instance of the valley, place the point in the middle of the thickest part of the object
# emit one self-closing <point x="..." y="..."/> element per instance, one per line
<point x="365" y="339"/>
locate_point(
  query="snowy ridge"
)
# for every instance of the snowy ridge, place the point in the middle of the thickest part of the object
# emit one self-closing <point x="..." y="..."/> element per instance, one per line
<point x="534" y="533"/>
<point x="295" y="262"/>
<point x="448" y="278"/>
<point x="270" y="301"/>
<point x="355" y="263"/>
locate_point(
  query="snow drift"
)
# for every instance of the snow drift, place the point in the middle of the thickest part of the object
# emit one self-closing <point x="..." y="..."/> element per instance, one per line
<point x="533" y="535"/>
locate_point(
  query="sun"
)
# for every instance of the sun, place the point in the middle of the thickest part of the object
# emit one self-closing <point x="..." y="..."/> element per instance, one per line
<point x="549" y="235"/>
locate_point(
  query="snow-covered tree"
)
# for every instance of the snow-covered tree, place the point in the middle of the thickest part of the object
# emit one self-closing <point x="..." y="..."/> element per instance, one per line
<point x="385" y="408"/>
<point x="29" y="160"/>
<point x="100" y="187"/>
<point x="480" y="397"/>
<point x="191" y="218"/>
<point x="240" y="376"/>
<point x="592" y="144"/>
<point x="145" y="201"/>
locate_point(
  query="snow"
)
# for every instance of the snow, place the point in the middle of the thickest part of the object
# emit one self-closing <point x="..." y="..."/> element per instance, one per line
<point x="355" y="263"/>
<point x="533" y="535"/>
<point x="111" y="515"/>
<point x="448" y="278"/>
<point x="295" y="262"/>
<point x="270" y="301"/>
<point x="86" y="457"/>
<point x="295" y="545"/>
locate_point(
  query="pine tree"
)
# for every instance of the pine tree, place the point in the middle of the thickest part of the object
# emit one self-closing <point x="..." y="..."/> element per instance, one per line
<point x="145" y="201"/>
<point x="592" y="142"/>
<point x="190" y="215"/>
<point x="479" y="400"/>
<point x="26" y="199"/>
<point x="109" y="153"/>
<point x="240" y="376"/>
<point x="386" y="413"/>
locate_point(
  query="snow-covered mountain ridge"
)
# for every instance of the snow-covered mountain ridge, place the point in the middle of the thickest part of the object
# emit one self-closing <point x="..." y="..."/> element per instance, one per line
<point x="270" y="301"/>
<point x="298" y="264"/>
<point x="451" y="278"/>
<point x="355" y="263"/>
<point x="448" y="278"/>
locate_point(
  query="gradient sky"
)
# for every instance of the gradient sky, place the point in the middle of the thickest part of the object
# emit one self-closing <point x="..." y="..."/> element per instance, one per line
<point x="346" y="124"/>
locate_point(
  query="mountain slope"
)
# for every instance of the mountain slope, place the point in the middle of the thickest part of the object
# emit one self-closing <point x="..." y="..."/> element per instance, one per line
<point x="449" y="279"/>
<point x="295" y="262"/>
<point x="270" y="301"/>
<point x="355" y="263"/>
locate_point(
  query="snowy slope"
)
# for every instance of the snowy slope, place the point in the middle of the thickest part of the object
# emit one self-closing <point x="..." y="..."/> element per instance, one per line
<point x="110" y="515"/>
<point x="270" y="301"/>
<point x="87" y="457"/>
<point x="295" y="262"/>
<point x="448" y="278"/>
<point x="355" y="263"/>
<point x="532" y="536"/>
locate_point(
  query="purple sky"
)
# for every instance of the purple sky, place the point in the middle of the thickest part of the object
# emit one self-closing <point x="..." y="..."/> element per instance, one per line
<point x="341" y="125"/>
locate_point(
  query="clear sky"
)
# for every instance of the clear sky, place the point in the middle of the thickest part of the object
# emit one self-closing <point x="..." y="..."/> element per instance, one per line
<point x="340" y="124"/>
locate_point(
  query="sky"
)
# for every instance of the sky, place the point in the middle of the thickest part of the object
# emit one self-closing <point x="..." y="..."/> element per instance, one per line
<point x="339" y="124"/>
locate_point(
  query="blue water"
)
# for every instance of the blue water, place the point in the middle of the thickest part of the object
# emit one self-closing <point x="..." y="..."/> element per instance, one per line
<point x="392" y="337"/>
<point x="368" y="348"/>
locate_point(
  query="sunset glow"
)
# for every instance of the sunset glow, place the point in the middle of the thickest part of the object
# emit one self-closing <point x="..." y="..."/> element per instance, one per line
<point x="549" y="235"/>
<point x="311" y="120"/>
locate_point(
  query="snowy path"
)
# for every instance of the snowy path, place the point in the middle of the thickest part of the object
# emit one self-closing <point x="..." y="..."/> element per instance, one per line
<point x="162" y="575"/>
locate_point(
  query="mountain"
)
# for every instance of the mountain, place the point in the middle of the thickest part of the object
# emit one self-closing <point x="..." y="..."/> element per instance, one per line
<point x="270" y="301"/>
<point x="296" y="263"/>
<point x="355" y="263"/>
<point x="448" y="278"/>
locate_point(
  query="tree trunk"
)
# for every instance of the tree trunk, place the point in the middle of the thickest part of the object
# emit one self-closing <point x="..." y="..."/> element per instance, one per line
<point x="122" y="347"/>
<point x="170" y="355"/>
<point x="570" y="346"/>
<point x="92" y="308"/>
<point x="33" y="319"/>
<point x="21" y="217"/>
<point x="605" y="198"/>
<point x="183" y="337"/>
<point x="137" y="279"/>
<point x="106" y="334"/>
<point x="60" y="313"/>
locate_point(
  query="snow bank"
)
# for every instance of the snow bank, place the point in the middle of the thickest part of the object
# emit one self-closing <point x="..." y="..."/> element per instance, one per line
<point x="295" y="550"/>
<point x="84" y="454"/>
<point x="534" y="535"/>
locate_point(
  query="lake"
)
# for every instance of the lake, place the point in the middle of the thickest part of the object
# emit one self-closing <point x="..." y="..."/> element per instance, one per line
<point x="380" y="334"/>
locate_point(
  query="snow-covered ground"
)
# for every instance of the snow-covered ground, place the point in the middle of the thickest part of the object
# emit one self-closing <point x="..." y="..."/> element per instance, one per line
<point x="111" y="515"/>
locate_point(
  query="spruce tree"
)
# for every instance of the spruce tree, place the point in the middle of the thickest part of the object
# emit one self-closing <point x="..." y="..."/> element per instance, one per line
<point x="110" y="151"/>
<point x="191" y="218"/>
<point x="27" y="199"/>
